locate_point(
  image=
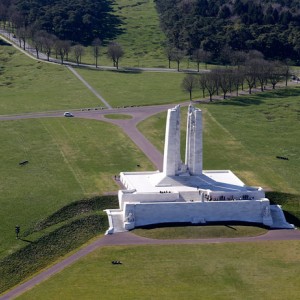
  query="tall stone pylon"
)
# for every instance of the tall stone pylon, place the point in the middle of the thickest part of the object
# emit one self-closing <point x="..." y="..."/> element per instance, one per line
<point x="193" y="150"/>
<point x="172" y="159"/>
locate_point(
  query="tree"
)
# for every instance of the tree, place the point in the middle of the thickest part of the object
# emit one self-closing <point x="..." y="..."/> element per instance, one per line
<point x="38" y="42"/>
<point x="115" y="52"/>
<point x="78" y="52"/>
<point x="225" y="80"/>
<point x="200" y="55"/>
<point x="276" y="72"/>
<point x="210" y="84"/>
<point x="189" y="83"/>
<point x="249" y="70"/>
<point x="169" y="52"/>
<point x="202" y="84"/>
<point x="96" y="49"/>
<point x="178" y="55"/>
<point x="48" y="44"/>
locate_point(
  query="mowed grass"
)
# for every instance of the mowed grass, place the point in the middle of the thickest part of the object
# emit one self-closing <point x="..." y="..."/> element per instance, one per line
<point x="199" y="232"/>
<point x="145" y="88"/>
<point x="142" y="38"/>
<point x="27" y="85"/>
<point x="245" y="135"/>
<point x="69" y="159"/>
<point x="262" y="270"/>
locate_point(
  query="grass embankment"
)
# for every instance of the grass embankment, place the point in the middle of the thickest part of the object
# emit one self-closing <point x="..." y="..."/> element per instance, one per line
<point x="27" y="85"/>
<point x="264" y="270"/>
<point x="69" y="159"/>
<point x="245" y="135"/>
<point x="55" y="236"/>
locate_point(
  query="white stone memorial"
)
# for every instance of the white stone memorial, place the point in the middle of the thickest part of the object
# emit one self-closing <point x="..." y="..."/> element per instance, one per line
<point x="184" y="193"/>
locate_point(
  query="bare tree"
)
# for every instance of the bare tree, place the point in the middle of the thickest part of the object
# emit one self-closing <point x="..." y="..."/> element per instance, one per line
<point x="276" y="72"/>
<point x="210" y="84"/>
<point x="225" y="80"/>
<point x="202" y="84"/>
<point x="66" y="47"/>
<point x="115" y="52"/>
<point x="238" y="58"/>
<point x="48" y="44"/>
<point x="60" y="49"/>
<point x="261" y="70"/>
<point x="178" y="55"/>
<point x="249" y="70"/>
<point x="169" y="53"/>
<point x="38" y="42"/>
<point x="22" y="34"/>
<point x="78" y="52"/>
<point x="96" y="49"/>
<point x="287" y="71"/>
<point x="189" y="83"/>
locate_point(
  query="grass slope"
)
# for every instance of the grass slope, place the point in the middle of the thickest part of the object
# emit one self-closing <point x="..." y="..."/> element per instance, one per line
<point x="55" y="236"/>
<point x="27" y="85"/>
<point x="264" y="270"/>
<point x="68" y="159"/>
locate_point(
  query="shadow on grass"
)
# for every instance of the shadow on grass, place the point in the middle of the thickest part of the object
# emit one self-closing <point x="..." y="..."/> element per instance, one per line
<point x="290" y="204"/>
<point x="260" y="97"/>
<point x="228" y="224"/>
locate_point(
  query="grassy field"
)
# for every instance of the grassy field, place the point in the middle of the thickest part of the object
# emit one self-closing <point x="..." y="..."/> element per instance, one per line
<point x="245" y="135"/>
<point x="68" y="159"/>
<point x="27" y="85"/>
<point x="264" y="270"/>
<point x="121" y="89"/>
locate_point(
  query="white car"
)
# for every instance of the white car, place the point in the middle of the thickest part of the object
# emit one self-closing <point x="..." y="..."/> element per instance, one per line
<point x="68" y="114"/>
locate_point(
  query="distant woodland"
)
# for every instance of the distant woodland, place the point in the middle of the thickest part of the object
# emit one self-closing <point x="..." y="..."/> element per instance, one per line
<point x="80" y="21"/>
<point x="270" y="26"/>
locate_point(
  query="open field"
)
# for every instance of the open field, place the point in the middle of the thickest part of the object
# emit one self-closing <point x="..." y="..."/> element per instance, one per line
<point x="68" y="159"/>
<point x="27" y="85"/>
<point x="125" y="89"/>
<point x="245" y="135"/>
<point x="264" y="270"/>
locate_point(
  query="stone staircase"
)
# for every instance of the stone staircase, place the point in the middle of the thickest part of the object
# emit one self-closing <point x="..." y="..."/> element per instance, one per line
<point x="278" y="218"/>
<point x="115" y="217"/>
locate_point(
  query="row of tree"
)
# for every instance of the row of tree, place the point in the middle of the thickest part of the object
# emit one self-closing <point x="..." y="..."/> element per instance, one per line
<point x="49" y="44"/>
<point x="254" y="73"/>
<point x="271" y="27"/>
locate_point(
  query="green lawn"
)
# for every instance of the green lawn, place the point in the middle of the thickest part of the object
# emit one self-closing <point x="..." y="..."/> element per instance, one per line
<point x="68" y="159"/>
<point x="27" y="85"/>
<point x="198" y="232"/>
<point x="124" y="89"/>
<point x="262" y="270"/>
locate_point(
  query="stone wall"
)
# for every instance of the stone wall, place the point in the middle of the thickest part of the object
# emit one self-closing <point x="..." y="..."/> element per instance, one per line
<point x="199" y="212"/>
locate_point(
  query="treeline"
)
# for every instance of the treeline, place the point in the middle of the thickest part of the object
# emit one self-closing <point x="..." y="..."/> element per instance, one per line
<point x="79" y="21"/>
<point x="271" y="27"/>
<point x="256" y="72"/>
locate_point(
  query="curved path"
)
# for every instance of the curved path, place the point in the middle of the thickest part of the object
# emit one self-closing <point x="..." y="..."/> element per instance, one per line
<point x="127" y="238"/>
<point x="127" y="125"/>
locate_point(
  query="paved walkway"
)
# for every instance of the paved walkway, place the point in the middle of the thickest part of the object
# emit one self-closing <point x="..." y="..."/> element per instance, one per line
<point x="127" y="238"/>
